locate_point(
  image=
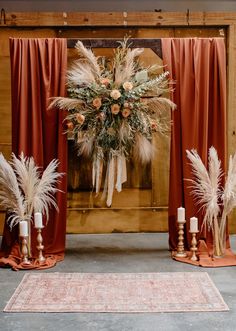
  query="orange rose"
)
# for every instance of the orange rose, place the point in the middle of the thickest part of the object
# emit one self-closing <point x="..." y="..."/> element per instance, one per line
<point x="97" y="102"/>
<point x="80" y="118"/>
<point x="125" y="112"/>
<point x="115" y="109"/>
<point x="153" y="125"/>
<point x="70" y="126"/>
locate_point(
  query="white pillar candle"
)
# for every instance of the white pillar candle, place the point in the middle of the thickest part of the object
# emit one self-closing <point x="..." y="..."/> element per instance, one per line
<point x="181" y="214"/>
<point x="193" y="224"/>
<point x="23" y="229"/>
<point x="38" y="220"/>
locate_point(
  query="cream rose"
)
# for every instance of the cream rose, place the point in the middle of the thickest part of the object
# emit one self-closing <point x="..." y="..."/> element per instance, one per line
<point x="115" y="94"/>
<point x="97" y="102"/>
<point x="125" y="112"/>
<point x="115" y="109"/>
<point x="127" y="86"/>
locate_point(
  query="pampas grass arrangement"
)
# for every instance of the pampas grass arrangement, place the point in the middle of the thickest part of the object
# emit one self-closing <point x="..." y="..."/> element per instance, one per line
<point x="114" y="106"/>
<point x="216" y="202"/>
<point x="24" y="189"/>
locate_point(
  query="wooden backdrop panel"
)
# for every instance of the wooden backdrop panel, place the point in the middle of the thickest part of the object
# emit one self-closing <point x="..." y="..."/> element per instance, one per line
<point x="148" y="210"/>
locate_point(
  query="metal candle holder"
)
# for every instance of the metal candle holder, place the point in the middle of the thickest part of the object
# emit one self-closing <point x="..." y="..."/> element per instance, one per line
<point x="194" y="246"/>
<point x="40" y="246"/>
<point x="180" y="247"/>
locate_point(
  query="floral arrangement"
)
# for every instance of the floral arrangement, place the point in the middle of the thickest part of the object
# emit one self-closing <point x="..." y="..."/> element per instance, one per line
<point x="114" y="107"/>
<point x="24" y="189"/>
<point x="216" y="201"/>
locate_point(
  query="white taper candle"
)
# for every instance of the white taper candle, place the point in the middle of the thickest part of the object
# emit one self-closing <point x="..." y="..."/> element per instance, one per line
<point x="193" y="224"/>
<point x="181" y="214"/>
<point x="38" y="220"/>
<point x="23" y="229"/>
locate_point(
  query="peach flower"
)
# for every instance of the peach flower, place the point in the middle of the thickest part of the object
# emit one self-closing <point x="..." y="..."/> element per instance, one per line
<point x="97" y="102"/>
<point x="80" y="118"/>
<point x="70" y="126"/>
<point x="115" y="109"/>
<point x="125" y="112"/>
<point x="127" y="86"/>
<point x="115" y="94"/>
<point x="105" y="81"/>
<point x="153" y="125"/>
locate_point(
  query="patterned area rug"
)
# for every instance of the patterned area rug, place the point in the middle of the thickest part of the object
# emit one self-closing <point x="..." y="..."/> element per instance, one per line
<point x="119" y="292"/>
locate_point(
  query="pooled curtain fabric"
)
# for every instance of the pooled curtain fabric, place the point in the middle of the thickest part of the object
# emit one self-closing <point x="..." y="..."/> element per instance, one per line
<point x="198" y="68"/>
<point x="38" y="71"/>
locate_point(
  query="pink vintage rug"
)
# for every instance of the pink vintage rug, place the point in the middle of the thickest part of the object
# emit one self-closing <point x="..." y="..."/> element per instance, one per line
<point x="116" y="292"/>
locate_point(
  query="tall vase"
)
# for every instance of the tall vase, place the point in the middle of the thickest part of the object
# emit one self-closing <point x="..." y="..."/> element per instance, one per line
<point x="219" y="238"/>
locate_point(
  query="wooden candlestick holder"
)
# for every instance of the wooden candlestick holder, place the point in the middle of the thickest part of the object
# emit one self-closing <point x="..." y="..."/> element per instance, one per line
<point x="180" y="247"/>
<point x="40" y="246"/>
<point x="194" y="246"/>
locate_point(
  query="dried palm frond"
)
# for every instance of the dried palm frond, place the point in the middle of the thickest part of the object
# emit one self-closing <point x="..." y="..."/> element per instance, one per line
<point x="229" y="192"/>
<point x="206" y="185"/>
<point x="28" y="178"/>
<point x="46" y="189"/>
<point x="88" y="56"/>
<point x="11" y="197"/>
<point x="66" y="103"/>
<point x="80" y="73"/>
<point x="163" y="104"/>
<point x="124" y="71"/>
<point x="143" y="149"/>
<point x="85" y="145"/>
<point x="125" y="131"/>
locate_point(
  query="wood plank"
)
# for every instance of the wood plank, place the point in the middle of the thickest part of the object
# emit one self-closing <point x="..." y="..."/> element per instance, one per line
<point x="116" y="220"/>
<point x="211" y="18"/>
<point x="231" y="105"/>
<point x="14" y="19"/>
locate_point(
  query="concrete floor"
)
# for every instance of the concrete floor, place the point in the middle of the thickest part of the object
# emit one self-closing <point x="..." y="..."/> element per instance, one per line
<point x="122" y="253"/>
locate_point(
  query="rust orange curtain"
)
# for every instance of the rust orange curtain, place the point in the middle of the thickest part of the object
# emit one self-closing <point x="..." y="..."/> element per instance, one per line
<point x="198" y="68"/>
<point x="38" y="71"/>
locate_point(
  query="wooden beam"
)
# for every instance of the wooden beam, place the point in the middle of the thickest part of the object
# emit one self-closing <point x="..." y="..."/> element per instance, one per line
<point x="154" y="44"/>
<point x="124" y="19"/>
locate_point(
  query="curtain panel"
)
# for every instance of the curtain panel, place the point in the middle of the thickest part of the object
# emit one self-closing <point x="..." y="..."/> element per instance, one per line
<point x="197" y="67"/>
<point x="38" y="72"/>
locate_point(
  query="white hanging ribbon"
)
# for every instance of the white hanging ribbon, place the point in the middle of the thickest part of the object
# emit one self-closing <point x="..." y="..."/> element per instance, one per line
<point x="99" y="168"/>
<point x="93" y="172"/>
<point x="111" y="177"/>
<point x="121" y="172"/>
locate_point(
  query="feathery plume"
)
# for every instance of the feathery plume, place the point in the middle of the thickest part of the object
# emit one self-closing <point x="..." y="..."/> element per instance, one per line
<point x="143" y="149"/>
<point x="44" y="196"/>
<point x="88" y="56"/>
<point x="10" y="195"/>
<point x="204" y="187"/>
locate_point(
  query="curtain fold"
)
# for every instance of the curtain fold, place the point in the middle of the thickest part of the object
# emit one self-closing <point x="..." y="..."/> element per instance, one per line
<point x="38" y="72"/>
<point x="198" y="68"/>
